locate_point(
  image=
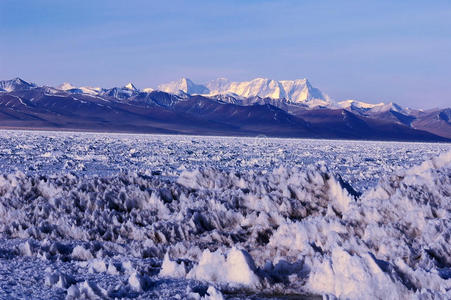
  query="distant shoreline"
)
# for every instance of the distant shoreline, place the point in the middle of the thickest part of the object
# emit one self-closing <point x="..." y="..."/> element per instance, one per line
<point x="259" y="136"/>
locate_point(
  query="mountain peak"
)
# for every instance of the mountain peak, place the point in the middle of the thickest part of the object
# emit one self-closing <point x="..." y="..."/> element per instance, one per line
<point x="66" y="86"/>
<point x="19" y="80"/>
<point x="15" y="84"/>
<point x="130" y="86"/>
<point x="355" y="104"/>
<point x="391" y="106"/>
<point x="183" y="85"/>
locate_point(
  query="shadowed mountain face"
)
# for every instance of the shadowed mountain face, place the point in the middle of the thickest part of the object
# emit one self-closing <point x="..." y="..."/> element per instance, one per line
<point x="127" y="109"/>
<point x="340" y="122"/>
<point x="437" y="122"/>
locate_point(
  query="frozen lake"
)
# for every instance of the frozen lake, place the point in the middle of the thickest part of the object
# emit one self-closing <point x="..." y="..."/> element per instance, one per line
<point x="357" y="162"/>
<point x="86" y="215"/>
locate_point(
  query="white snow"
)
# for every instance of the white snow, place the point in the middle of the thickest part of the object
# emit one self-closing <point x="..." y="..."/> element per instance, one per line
<point x="90" y="90"/>
<point x="130" y="86"/>
<point x="147" y="90"/>
<point x="14" y="84"/>
<point x="66" y="86"/>
<point x="389" y="106"/>
<point x="358" y="104"/>
<point x="295" y="91"/>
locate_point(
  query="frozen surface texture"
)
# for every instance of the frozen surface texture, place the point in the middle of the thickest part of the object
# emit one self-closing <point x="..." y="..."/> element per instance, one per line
<point x="141" y="216"/>
<point x="359" y="163"/>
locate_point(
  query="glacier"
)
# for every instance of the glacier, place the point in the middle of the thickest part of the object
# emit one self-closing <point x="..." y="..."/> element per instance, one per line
<point x="99" y="216"/>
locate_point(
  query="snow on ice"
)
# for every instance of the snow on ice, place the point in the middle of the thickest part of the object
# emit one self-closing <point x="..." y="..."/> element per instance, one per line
<point x="212" y="218"/>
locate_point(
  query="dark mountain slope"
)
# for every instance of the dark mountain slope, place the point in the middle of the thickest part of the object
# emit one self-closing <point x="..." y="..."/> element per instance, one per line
<point x="341" y="122"/>
<point x="437" y="122"/>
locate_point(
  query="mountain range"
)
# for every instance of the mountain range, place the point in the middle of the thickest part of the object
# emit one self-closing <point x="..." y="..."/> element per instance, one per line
<point x="287" y="108"/>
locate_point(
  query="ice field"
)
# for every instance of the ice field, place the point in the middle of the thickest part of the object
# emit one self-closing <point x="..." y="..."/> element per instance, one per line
<point x="102" y="216"/>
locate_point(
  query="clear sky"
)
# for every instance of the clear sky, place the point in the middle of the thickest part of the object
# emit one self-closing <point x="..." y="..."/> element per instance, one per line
<point x="368" y="50"/>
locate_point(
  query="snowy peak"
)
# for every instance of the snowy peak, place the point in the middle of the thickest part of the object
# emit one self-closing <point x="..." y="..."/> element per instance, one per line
<point x="375" y="109"/>
<point x="117" y="92"/>
<point x="296" y="91"/>
<point x="354" y="104"/>
<point x="301" y="90"/>
<point x="148" y="90"/>
<point x="262" y="87"/>
<point x="121" y="93"/>
<point x="65" y="86"/>
<point x="15" y="84"/>
<point x="130" y="86"/>
<point x="183" y="85"/>
<point x="90" y="90"/>
<point x="382" y="107"/>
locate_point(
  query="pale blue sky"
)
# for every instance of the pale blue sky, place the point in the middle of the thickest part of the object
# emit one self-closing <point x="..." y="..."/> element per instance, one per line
<point x="367" y="50"/>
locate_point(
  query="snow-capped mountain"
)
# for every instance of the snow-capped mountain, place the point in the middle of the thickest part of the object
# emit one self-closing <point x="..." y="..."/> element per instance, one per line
<point x="369" y="108"/>
<point x="277" y="93"/>
<point x="130" y="86"/>
<point x="282" y="94"/>
<point x="15" y="84"/>
<point x="124" y="92"/>
<point x="66" y="86"/>
<point x="357" y="105"/>
<point x="383" y="107"/>
<point x="116" y="92"/>
<point x="79" y="90"/>
<point x="184" y="85"/>
<point x="295" y="91"/>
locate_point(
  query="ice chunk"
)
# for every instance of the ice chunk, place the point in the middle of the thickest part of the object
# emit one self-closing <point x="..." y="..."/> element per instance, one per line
<point x="97" y="266"/>
<point x="73" y="292"/>
<point x="237" y="269"/>
<point x="59" y="280"/>
<point x="353" y="277"/>
<point x="172" y="268"/>
<point x="213" y="294"/>
<point x="85" y="290"/>
<point x="128" y="267"/>
<point x="81" y="253"/>
<point x="339" y="196"/>
<point x="139" y="283"/>
<point x="25" y="249"/>
<point x="112" y="270"/>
